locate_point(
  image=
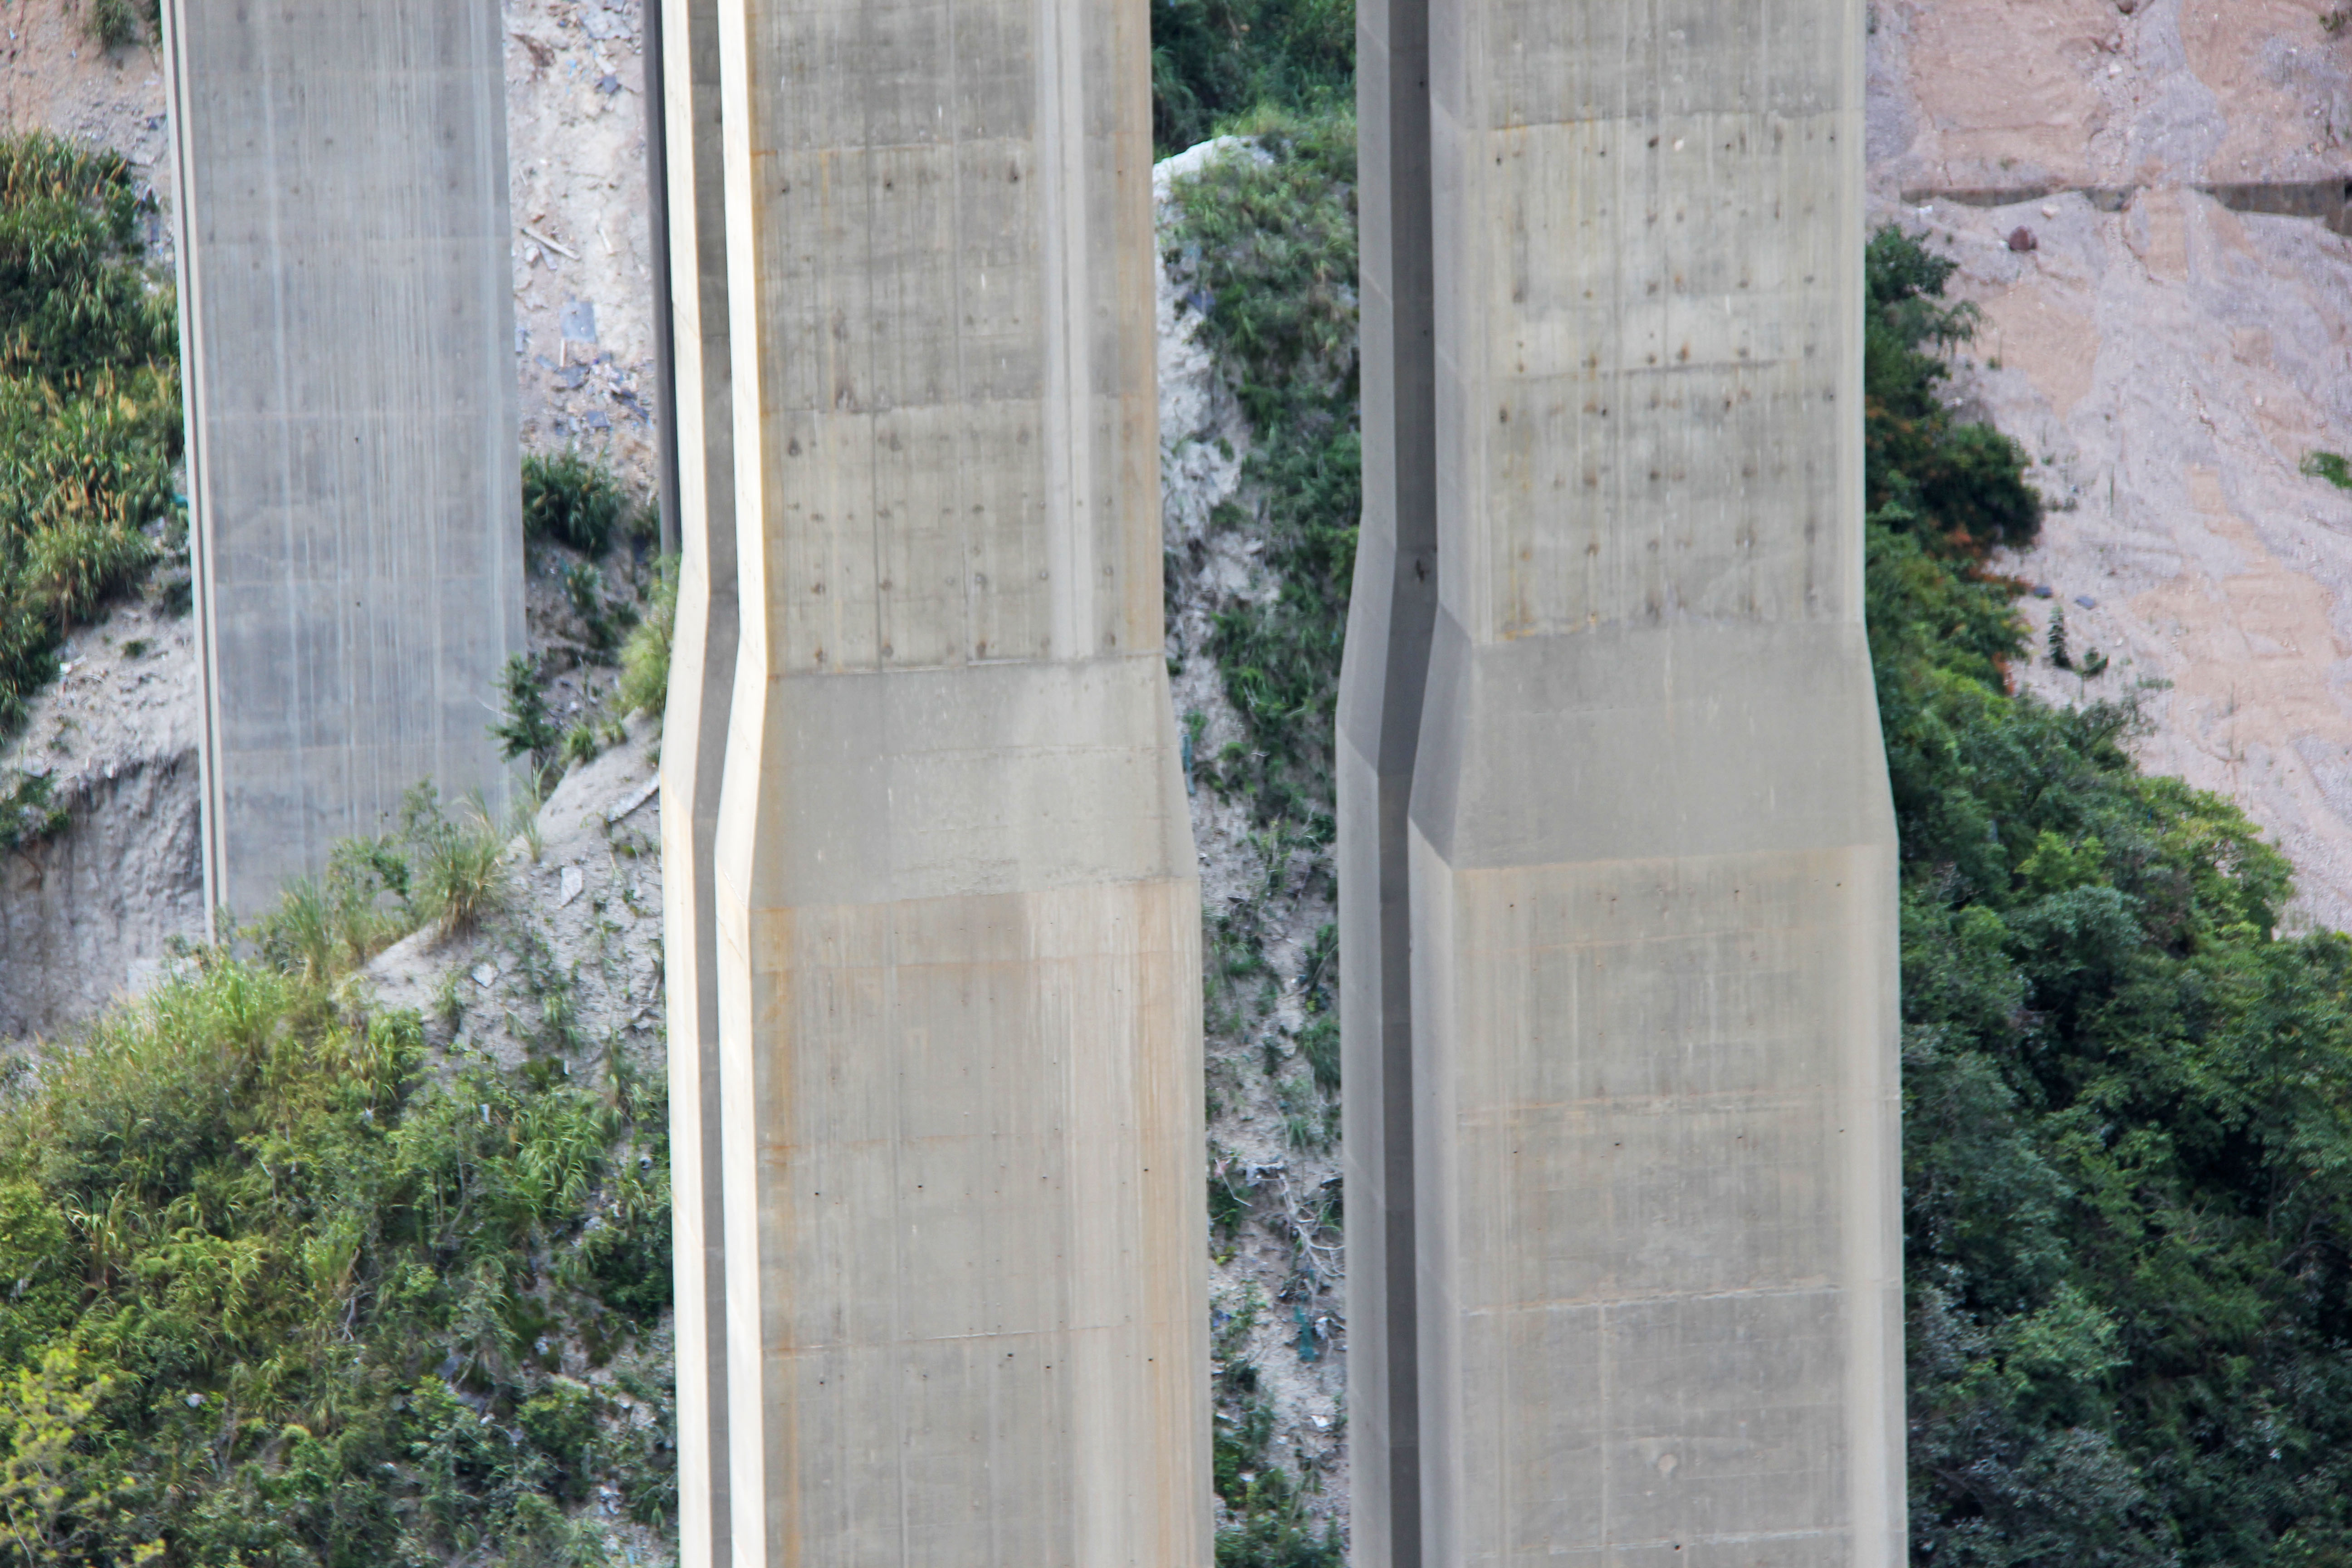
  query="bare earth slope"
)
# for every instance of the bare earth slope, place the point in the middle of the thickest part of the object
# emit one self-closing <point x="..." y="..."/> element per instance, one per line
<point x="2167" y="361"/>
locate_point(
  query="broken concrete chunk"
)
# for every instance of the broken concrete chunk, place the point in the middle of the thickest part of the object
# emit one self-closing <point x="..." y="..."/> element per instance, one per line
<point x="486" y="976"/>
<point x="572" y="882"/>
<point x="636" y="798"/>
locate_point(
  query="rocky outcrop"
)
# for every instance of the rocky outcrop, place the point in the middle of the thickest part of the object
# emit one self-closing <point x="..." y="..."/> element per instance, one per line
<point x="2119" y="183"/>
<point x="91" y="901"/>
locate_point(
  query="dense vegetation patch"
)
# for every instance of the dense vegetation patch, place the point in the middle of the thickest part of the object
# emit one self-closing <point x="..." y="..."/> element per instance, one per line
<point x="1217" y="61"/>
<point x="575" y="499"/>
<point x="585" y="531"/>
<point x="2127" y="1099"/>
<point x="1270" y="242"/>
<point x="1265" y="245"/>
<point x="90" y="401"/>
<point x="280" y="1285"/>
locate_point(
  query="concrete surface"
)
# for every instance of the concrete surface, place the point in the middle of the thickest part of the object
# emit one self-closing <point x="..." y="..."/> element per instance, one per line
<point x="957" y="916"/>
<point x="1651" y="853"/>
<point x="694" y="754"/>
<point x="349" y="337"/>
<point x="1391" y="612"/>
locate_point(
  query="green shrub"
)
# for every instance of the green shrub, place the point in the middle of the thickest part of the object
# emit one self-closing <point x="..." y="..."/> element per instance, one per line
<point x="2329" y="466"/>
<point x="1277" y="248"/>
<point x="28" y="813"/>
<point x="112" y="24"/>
<point x="89" y="411"/>
<point x="644" y="658"/>
<point x="1320" y="1044"/>
<point x="1962" y="488"/>
<point x="1215" y="61"/>
<point x="525" y="728"/>
<point x="571" y="499"/>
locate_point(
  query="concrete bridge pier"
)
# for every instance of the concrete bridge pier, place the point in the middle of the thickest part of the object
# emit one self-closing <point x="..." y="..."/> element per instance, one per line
<point x="957" y="913"/>
<point x="694" y="751"/>
<point x="1391" y="612"/>
<point x="348" y="335"/>
<point x="1649" y="869"/>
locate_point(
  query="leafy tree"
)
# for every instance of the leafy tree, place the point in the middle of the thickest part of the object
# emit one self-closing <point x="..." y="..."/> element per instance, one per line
<point x="1218" y="61"/>
<point x="283" y="1289"/>
<point x="2127" y="1139"/>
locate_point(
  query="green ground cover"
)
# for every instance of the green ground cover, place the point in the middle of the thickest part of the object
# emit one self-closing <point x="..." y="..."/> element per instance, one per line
<point x="280" y="1285"/>
<point x="90" y="401"/>
<point x="2127" y="1097"/>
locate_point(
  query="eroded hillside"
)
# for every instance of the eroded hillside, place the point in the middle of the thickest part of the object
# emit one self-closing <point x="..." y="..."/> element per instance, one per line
<point x="2170" y="353"/>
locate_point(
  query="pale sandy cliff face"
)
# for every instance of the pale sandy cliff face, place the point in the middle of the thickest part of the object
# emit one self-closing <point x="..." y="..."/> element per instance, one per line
<point x="2167" y="365"/>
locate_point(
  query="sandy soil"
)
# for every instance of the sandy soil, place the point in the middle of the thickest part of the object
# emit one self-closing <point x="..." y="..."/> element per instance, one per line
<point x="2169" y="366"/>
<point x="583" y="287"/>
<point x="1970" y="93"/>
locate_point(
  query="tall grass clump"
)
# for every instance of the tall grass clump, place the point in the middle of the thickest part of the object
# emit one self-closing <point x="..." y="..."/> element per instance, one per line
<point x="450" y="875"/>
<point x="461" y="875"/>
<point x="572" y="499"/>
<point x="644" y="658"/>
<point x="279" y="1291"/>
<point x="90" y="401"/>
<point x="113" y="24"/>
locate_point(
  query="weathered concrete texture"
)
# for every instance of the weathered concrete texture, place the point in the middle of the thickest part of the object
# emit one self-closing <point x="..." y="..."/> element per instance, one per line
<point x="694" y="751"/>
<point x="958" y="918"/>
<point x="350" y="347"/>
<point x="1391" y="611"/>
<point x="1652" y="863"/>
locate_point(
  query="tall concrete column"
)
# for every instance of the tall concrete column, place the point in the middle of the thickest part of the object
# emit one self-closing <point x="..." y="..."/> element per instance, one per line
<point x="348" y="330"/>
<point x="1390" y="613"/>
<point x="694" y="751"/>
<point x="1651" y="875"/>
<point x="957" y="915"/>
